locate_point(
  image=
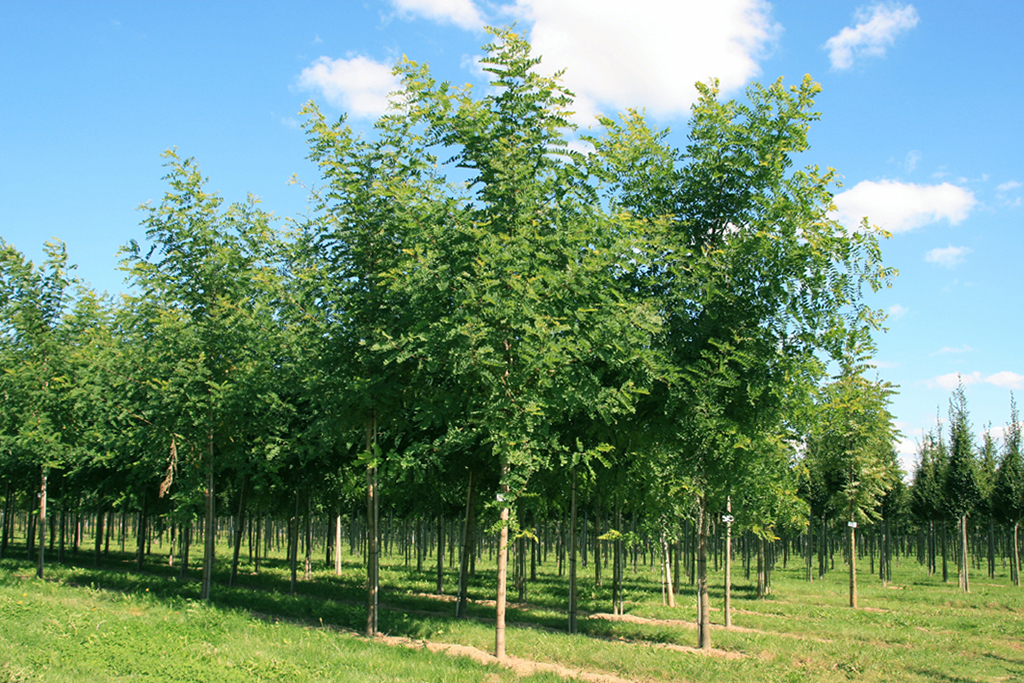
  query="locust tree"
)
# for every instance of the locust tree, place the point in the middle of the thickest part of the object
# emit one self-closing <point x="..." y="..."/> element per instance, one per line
<point x="196" y="293"/>
<point x="34" y="339"/>
<point x="961" y="494"/>
<point x="529" y="322"/>
<point x="750" y="273"/>
<point x="1008" y="491"/>
<point x="852" y="438"/>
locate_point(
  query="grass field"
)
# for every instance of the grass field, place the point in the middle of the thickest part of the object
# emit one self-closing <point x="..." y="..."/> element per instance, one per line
<point x="113" y="624"/>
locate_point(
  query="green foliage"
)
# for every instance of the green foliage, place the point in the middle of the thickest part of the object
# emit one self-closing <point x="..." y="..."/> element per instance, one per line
<point x="960" y="487"/>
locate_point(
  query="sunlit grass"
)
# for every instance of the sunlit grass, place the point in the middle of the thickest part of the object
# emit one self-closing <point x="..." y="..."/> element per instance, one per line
<point x="918" y="628"/>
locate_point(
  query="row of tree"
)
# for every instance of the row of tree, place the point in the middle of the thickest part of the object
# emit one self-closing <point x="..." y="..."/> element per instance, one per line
<point x="471" y="303"/>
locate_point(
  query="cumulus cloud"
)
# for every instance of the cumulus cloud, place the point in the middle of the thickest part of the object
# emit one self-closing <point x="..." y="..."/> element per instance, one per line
<point x="947" y="256"/>
<point x="898" y="207"/>
<point x="1008" y="185"/>
<point x="646" y="53"/>
<point x="462" y="13"/>
<point x="953" y="380"/>
<point x="1005" y="379"/>
<point x="949" y="349"/>
<point x="896" y="311"/>
<point x="357" y="85"/>
<point x="876" y="29"/>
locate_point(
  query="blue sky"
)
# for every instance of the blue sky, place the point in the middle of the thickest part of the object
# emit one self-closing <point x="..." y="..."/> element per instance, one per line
<point x="921" y="114"/>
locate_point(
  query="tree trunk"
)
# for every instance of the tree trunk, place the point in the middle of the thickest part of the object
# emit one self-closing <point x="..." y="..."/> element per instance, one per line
<point x="140" y="551"/>
<point x="462" y="605"/>
<point x="573" y="597"/>
<point x="211" y="523"/>
<point x="1015" y="560"/>
<point x="5" y="532"/>
<point x="100" y="516"/>
<point x="667" y="569"/>
<point x="965" y="566"/>
<point x="945" y="567"/>
<point x="239" y="525"/>
<point x="440" y="553"/>
<point x="42" y="525"/>
<point x="727" y="602"/>
<point x="499" y="629"/>
<point x="704" y="607"/>
<point x="372" y="532"/>
<point x="293" y="545"/>
<point x="337" y="544"/>
<point x="853" y="563"/>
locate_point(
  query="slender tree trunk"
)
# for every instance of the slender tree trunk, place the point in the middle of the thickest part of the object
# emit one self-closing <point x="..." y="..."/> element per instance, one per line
<point x="667" y="569"/>
<point x="573" y="597"/>
<point x="964" y="558"/>
<point x="727" y="603"/>
<point x="337" y="544"/>
<point x="853" y="562"/>
<point x="42" y="525"/>
<point x="239" y="525"/>
<point x="499" y="629"/>
<point x="704" y="607"/>
<point x="140" y="551"/>
<point x="462" y="605"/>
<point x="211" y="522"/>
<point x="100" y="516"/>
<point x="293" y="546"/>
<point x="945" y="554"/>
<point x="372" y="532"/>
<point x="440" y="552"/>
<point x="1015" y="560"/>
<point x="5" y="533"/>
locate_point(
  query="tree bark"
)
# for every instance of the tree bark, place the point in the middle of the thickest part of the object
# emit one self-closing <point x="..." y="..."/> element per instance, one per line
<point x="100" y="516"/>
<point x="727" y="602"/>
<point x="704" y="607"/>
<point x="42" y="525"/>
<point x="499" y="629"/>
<point x="209" y="547"/>
<point x="373" y="522"/>
<point x="462" y="605"/>
<point x="965" y="566"/>
<point x="239" y="525"/>
<point x="337" y="544"/>
<point x="573" y="597"/>
<point x="1015" y="560"/>
<point x="853" y="565"/>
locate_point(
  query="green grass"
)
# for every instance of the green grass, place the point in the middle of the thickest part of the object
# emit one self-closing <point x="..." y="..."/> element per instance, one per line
<point x="115" y="624"/>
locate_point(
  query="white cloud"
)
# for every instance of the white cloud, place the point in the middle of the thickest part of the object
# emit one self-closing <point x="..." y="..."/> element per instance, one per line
<point x="948" y="349"/>
<point x="952" y="380"/>
<point x="877" y="28"/>
<point x="896" y="311"/>
<point x="1006" y="379"/>
<point x="898" y="207"/>
<point x="911" y="161"/>
<point x="947" y="256"/>
<point x="647" y="53"/>
<point x="462" y="13"/>
<point x="358" y="85"/>
<point x="1009" y="185"/>
<point x="1010" y="380"/>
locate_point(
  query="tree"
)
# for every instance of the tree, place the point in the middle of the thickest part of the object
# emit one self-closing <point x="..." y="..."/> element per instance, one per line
<point x="34" y="302"/>
<point x="751" y="275"/>
<point x="196" y="296"/>
<point x="1008" y="491"/>
<point x="853" y="438"/>
<point x="528" y="322"/>
<point x="960" y="486"/>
